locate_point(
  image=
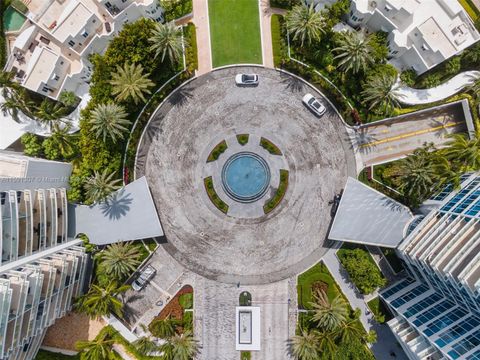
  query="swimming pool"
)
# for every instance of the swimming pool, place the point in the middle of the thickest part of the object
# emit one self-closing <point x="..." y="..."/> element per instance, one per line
<point x="12" y="19"/>
<point x="245" y="177"/>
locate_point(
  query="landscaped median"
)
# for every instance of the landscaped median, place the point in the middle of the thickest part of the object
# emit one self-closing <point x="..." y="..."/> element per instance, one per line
<point x="212" y="194"/>
<point x="279" y="194"/>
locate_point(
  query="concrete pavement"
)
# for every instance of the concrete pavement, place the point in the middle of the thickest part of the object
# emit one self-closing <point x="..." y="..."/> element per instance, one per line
<point x="202" y="27"/>
<point x="266" y="13"/>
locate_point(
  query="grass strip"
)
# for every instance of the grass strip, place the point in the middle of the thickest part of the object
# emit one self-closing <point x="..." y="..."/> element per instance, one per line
<point x="212" y="194"/>
<point x="270" y="147"/>
<point x="279" y="194"/>
<point x="218" y="150"/>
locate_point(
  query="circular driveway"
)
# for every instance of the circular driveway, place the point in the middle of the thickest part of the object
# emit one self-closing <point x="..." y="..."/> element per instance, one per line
<point x="210" y="109"/>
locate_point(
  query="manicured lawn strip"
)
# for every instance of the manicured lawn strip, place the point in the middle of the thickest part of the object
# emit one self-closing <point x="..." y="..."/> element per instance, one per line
<point x="278" y="40"/>
<point x="270" y="147"/>
<point x="379" y="310"/>
<point x="279" y="194"/>
<point x="392" y="259"/>
<point x="245" y="355"/>
<point x="234" y="32"/>
<point x="218" y="150"/>
<point x="470" y="9"/>
<point x="317" y="273"/>
<point x="242" y="139"/>
<point x="212" y="194"/>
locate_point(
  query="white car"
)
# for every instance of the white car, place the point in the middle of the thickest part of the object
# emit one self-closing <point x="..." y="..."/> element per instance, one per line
<point x="246" y="79"/>
<point x="147" y="273"/>
<point x="313" y="104"/>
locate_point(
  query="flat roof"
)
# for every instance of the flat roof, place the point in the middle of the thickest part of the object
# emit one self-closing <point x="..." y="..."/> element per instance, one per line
<point x="247" y="328"/>
<point x="129" y="214"/>
<point x="436" y="38"/>
<point x="72" y="20"/>
<point x="366" y="216"/>
<point x="41" y="66"/>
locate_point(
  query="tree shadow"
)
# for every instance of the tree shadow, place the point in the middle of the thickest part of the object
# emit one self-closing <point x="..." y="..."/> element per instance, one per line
<point x="292" y="83"/>
<point x="117" y="205"/>
<point x="180" y="97"/>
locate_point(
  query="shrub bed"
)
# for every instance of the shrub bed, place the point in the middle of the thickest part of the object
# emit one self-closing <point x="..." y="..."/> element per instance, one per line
<point x="361" y="268"/>
<point x="191" y="52"/>
<point x="279" y="194"/>
<point x="278" y="39"/>
<point x="242" y="139"/>
<point x="284" y="4"/>
<point x="212" y="194"/>
<point x="218" y="150"/>
<point x="269" y="146"/>
<point x="175" y="9"/>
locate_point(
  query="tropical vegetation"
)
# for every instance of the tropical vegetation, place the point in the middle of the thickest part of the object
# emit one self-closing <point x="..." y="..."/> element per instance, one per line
<point x="100" y="186"/>
<point x="109" y="120"/>
<point x="100" y="301"/>
<point x="354" y="53"/>
<point x="167" y="41"/>
<point x="119" y="260"/>
<point x="361" y="268"/>
<point x="305" y="24"/>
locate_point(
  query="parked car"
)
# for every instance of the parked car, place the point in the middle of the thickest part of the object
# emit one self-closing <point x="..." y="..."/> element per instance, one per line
<point x="246" y="79"/>
<point x="335" y="202"/>
<point x="313" y="104"/>
<point x="145" y="275"/>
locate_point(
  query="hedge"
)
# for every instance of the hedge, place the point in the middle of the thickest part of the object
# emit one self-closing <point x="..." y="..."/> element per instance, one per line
<point x="212" y="194"/>
<point x="269" y="146"/>
<point x="279" y="194"/>
<point x="175" y="9"/>
<point x="218" y="150"/>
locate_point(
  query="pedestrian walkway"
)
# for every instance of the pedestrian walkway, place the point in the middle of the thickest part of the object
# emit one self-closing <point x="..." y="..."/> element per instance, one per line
<point x="266" y="13"/>
<point x="386" y="342"/>
<point x="410" y="96"/>
<point x="202" y="27"/>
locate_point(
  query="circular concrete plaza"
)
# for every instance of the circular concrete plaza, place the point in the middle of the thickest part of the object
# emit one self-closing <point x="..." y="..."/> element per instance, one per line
<point x="234" y="248"/>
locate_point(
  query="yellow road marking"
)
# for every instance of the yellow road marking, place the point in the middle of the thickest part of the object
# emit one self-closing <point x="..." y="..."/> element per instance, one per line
<point x="407" y="135"/>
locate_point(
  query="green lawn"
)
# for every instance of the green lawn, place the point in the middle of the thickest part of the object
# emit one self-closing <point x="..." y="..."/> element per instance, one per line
<point x="234" y="32"/>
<point x="316" y="274"/>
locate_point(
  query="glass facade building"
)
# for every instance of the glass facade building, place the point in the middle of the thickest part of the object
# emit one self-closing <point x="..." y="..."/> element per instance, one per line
<point x="42" y="269"/>
<point x="437" y="307"/>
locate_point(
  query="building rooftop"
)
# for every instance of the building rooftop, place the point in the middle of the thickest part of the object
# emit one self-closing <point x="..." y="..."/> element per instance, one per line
<point x="129" y="214"/>
<point x="71" y="21"/>
<point x="366" y="216"/>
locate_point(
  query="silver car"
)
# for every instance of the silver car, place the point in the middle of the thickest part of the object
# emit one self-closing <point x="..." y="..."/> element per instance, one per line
<point x="313" y="104"/>
<point x="147" y="273"/>
<point x="246" y="79"/>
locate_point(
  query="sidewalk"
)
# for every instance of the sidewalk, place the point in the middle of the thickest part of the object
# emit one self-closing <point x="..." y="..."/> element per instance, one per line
<point x="410" y="96"/>
<point x="202" y="27"/>
<point x="266" y="13"/>
<point x="386" y="341"/>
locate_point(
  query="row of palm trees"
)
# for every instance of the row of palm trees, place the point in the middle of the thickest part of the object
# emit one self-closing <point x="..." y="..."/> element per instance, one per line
<point x="353" y="53"/>
<point x="330" y="327"/>
<point x="429" y="169"/>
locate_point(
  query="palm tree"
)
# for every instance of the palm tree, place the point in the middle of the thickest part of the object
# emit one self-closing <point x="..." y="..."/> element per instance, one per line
<point x="99" y="348"/>
<point x="65" y="141"/>
<point x="146" y="344"/>
<point x="353" y="53"/>
<point x="8" y="83"/>
<point x="417" y="176"/>
<point x="99" y="186"/>
<point x="50" y="112"/>
<point x="180" y="347"/>
<point x="167" y="40"/>
<point x="120" y="259"/>
<point x="446" y="171"/>
<point x="100" y="301"/>
<point x="163" y="329"/>
<point x="380" y="92"/>
<point x="328" y="314"/>
<point x="350" y="329"/>
<point x="131" y="82"/>
<point x="326" y="344"/>
<point x="465" y="150"/>
<point x="305" y="345"/>
<point x="68" y="98"/>
<point x="305" y="23"/>
<point x="109" y="120"/>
